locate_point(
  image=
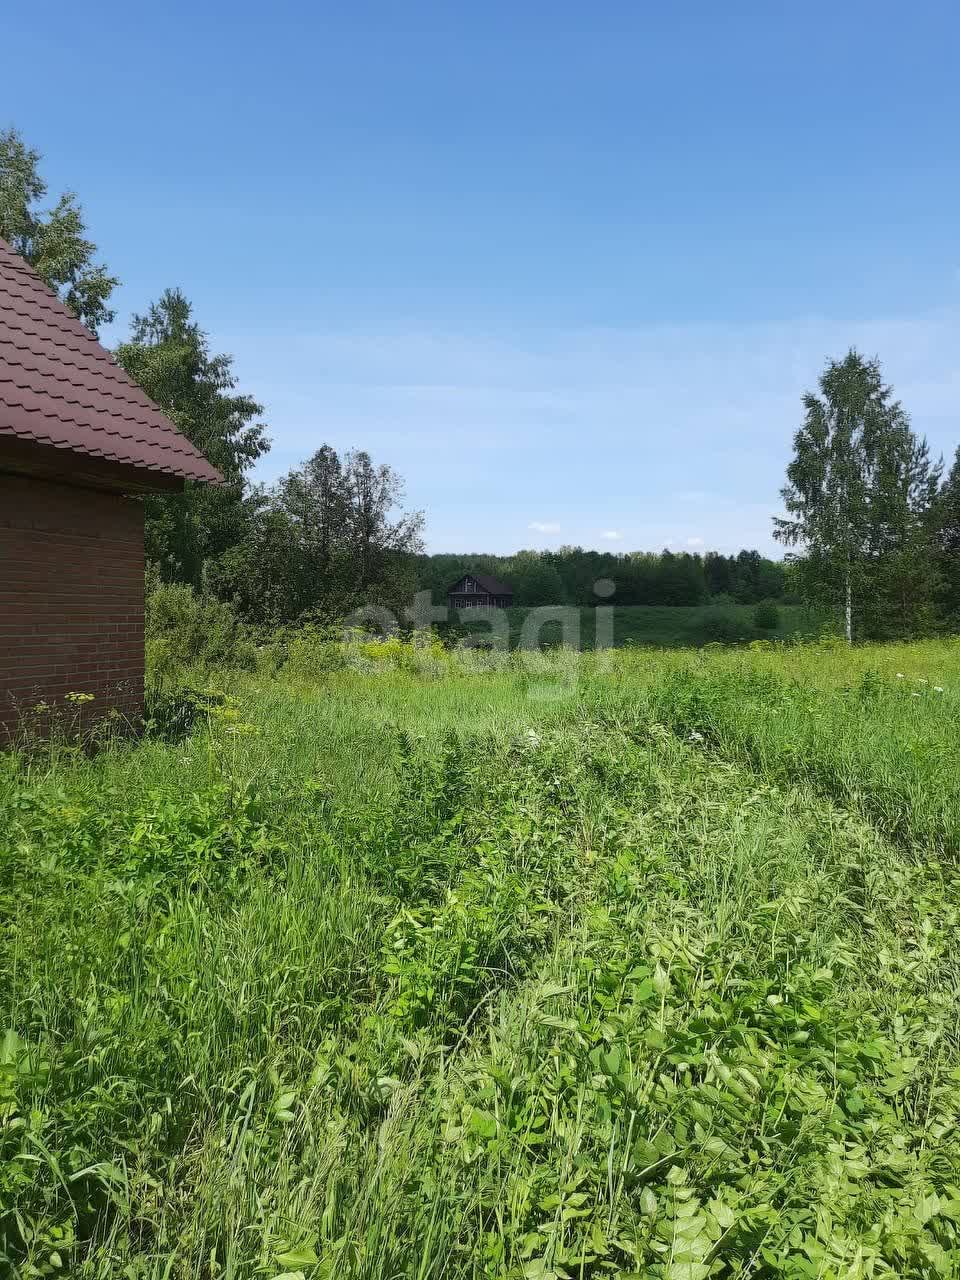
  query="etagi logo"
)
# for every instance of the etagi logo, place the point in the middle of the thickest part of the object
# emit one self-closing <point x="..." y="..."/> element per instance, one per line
<point x="547" y="647"/>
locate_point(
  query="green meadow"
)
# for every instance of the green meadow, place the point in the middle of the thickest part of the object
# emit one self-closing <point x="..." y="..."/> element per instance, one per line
<point x="661" y="626"/>
<point x="540" y="965"/>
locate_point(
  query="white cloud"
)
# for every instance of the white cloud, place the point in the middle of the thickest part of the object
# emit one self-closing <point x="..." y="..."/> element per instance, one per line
<point x="486" y="427"/>
<point x="694" y="542"/>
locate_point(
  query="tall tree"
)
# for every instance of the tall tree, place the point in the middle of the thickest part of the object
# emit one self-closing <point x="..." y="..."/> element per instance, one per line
<point x="947" y="541"/>
<point x="680" y="579"/>
<point x="857" y="493"/>
<point x="902" y="576"/>
<point x="754" y="579"/>
<point x="534" y="579"/>
<point x="315" y="499"/>
<point x="328" y="537"/>
<point x="54" y="240"/>
<point x="377" y="526"/>
<point x="266" y="575"/>
<point x="169" y="356"/>
<point x="719" y="572"/>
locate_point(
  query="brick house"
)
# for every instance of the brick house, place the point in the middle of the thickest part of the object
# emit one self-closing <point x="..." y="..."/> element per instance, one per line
<point x="79" y="443"/>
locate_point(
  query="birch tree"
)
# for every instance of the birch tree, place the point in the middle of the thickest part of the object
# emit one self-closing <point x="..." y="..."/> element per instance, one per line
<point x="54" y="240"/>
<point x="858" y="491"/>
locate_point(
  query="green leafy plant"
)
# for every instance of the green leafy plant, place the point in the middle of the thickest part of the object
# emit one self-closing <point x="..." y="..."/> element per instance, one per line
<point x="392" y="974"/>
<point x="766" y="616"/>
<point x="186" y="630"/>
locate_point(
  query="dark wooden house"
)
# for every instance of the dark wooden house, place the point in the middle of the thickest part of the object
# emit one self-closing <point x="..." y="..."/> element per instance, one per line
<point x="80" y="443"/>
<point x="479" y="591"/>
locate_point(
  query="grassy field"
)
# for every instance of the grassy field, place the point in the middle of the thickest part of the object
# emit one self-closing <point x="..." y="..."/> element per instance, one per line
<point x="673" y="626"/>
<point x="637" y="964"/>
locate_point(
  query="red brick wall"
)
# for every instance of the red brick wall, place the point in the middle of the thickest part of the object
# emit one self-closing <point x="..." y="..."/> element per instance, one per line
<point x="71" y="598"/>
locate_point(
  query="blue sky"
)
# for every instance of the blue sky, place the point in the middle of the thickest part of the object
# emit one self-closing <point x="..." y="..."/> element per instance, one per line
<point x="567" y="267"/>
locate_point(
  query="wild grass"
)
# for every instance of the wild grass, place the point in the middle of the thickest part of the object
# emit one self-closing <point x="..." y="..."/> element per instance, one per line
<point x="674" y="626"/>
<point x="642" y="964"/>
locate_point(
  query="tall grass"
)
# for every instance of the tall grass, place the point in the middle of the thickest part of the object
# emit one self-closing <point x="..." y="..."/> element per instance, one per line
<point x="643" y="965"/>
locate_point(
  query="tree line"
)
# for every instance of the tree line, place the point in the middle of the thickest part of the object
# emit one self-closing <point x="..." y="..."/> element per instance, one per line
<point x="569" y="575"/>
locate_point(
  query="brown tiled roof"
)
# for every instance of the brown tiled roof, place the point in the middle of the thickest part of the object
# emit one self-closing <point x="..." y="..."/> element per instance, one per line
<point x="60" y="387"/>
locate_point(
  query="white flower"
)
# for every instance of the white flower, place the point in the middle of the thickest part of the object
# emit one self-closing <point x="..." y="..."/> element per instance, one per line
<point x="695" y="737"/>
<point x="922" y="680"/>
<point x="938" y="688"/>
<point x="899" y="675"/>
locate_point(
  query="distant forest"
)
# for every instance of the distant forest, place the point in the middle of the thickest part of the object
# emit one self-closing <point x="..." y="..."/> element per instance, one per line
<point x="568" y="576"/>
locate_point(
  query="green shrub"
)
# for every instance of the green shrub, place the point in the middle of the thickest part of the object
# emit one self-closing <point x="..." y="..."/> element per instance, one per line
<point x="185" y="629"/>
<point x="723" y="626"/>
<point x="766" y="616"/>
<point x="312" y="651"/>
<point x="723" y="600"/>
<point x="169" y="714"/>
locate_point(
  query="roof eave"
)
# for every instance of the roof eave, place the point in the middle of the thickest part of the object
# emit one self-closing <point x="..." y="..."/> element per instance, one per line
<point x="46" y="462"/>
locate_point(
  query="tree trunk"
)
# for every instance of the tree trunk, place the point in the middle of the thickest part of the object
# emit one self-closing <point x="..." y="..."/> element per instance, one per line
<point x="848" y="620"/>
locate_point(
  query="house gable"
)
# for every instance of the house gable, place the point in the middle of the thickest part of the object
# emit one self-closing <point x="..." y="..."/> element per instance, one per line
<point x="67" y="406"/>
<point x="472" y="585"/>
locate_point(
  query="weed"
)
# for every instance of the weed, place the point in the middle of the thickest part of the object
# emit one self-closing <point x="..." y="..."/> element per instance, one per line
<point x="380" y="962"/>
